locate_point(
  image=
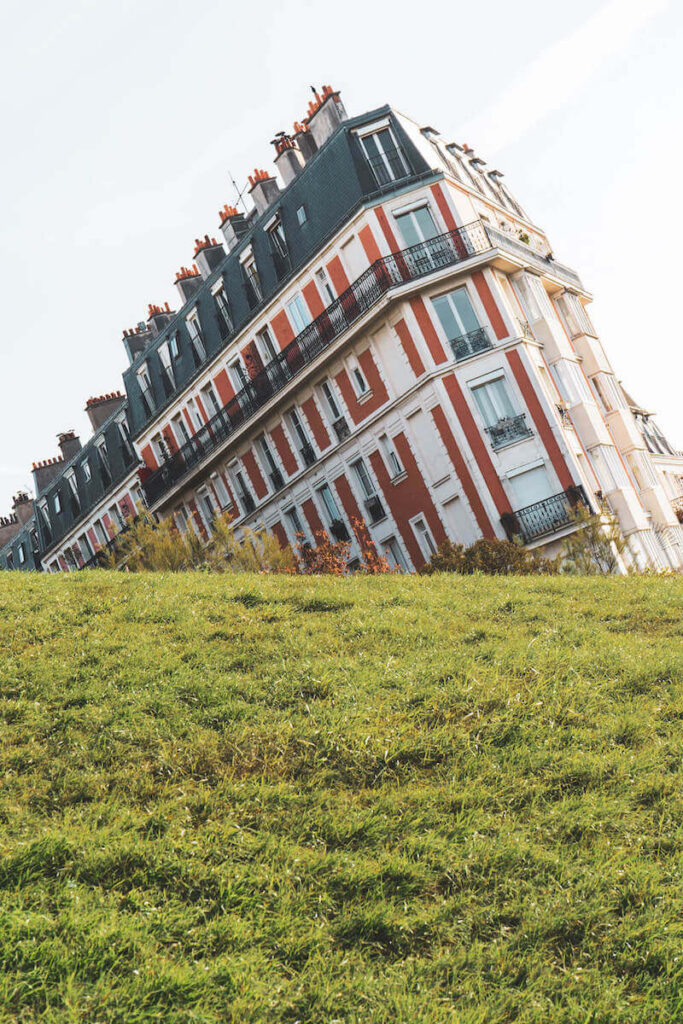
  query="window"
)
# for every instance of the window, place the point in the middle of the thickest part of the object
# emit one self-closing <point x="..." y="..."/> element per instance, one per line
<point x="298" y="314"/>
<point x="244" y="495"/>
<point x="209" y="400"/>
<point x="330" y="399"/>
<point x="331" y="507"/>
<point x="146" y="393"/>
<point x="304" y="445"/>
<point x="138" y="497"/>
<point x="295" y="523"/>
<point x="393" y="554"/>
<point x="86" y="547"/>
<point x="47" y="525"/>
<point x="87" y="473"/>
<point x="417" y="225"/>
<point x="363" y="478"/>
<point x="278" y="247"/>
<point x="100" y="533"/>
<point x="493" y="401"/>
<point x="57" y="504"/>
<point x="571" y="382"/>
<point x="301" y="215"/>
<point x="339" y="424"/>
<point x="167" y="373"/>
<point x="325" y="285"/>
<point x="223" y="313"/>
<point x="206" y="507"/>
<point x="459" y="321"/>
<point x="360" y="385"/>
<point x="180" y="519"/>
<point x="265" y="346"/>
<point x="390" y="456"/>
<point x="238" y="375"/>
<point x="530" y="486"/>
<point x="196" y="340"/>
<point x="73" y="487"/>
<point x="174" y="346"/>
<point x="252" y="282"/>
<point x="180" y="431"/>
<point x="608" y="467"/>
<point x="195" y="416"/>
<point x="160" y="448"/>
<point x="384" y="156"/>
<point x="221" y="490"/>
<point x="126" y="445"/>
<point x="271" y="466"/>
<point x="424" y="537"/>
<point x="21" y="551"/>
<point x="103" y="458"/>
<point x="116" y="517"/>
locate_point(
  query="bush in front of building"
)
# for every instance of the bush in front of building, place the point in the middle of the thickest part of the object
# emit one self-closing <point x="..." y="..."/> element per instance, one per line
<point x="492" y="557"/>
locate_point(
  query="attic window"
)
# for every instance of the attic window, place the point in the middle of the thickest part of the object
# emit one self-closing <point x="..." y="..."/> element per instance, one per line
<point x="301" y="215"/>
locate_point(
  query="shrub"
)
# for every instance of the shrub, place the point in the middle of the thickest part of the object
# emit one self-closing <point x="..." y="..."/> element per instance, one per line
<point x="493" y="557"/>
<point x="331" y="558"/>
<point x="148" y="546"/>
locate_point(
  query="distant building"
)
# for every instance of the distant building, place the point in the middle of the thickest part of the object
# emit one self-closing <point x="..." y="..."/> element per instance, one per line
<point x="385" y="336"/>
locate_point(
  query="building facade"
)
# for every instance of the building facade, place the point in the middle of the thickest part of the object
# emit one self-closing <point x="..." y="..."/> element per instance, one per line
<point x="385" y="337"/>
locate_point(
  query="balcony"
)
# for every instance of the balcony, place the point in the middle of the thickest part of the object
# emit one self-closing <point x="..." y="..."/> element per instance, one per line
<point x="382" y="276"/>
<point x="546" y="517"/>
<point x="375" y="509"/>
<point x="508" y="430"/>
<point x="307" y="454"/>
<point x="470" y="344"/>
<point x="341" y="429"/>
<point x="276" y="480"/>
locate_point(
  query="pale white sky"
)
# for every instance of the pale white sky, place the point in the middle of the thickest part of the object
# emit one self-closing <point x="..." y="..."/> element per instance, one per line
<point x="120" y="122"/>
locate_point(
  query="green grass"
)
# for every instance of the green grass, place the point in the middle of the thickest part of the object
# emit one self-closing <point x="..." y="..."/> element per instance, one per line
<point x="418" y="800"/>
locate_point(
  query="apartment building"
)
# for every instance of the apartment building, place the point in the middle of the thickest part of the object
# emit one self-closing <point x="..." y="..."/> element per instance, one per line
<point x="385" y="336"/>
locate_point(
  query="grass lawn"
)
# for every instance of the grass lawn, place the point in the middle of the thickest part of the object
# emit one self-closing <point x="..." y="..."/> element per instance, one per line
<point x="418" y="800"/>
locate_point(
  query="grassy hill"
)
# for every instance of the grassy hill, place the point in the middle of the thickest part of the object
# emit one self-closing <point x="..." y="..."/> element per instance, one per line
<point x="373" y="800"/>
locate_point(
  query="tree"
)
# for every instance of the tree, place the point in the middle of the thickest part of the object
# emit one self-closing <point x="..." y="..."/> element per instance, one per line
<point x="595" y="546"/>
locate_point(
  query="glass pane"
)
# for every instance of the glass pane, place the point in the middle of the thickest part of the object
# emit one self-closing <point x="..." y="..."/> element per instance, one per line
<point x="408" y="228"/>
<point x="465" y="311"/>
<point x="425" y="222"/>
<point x="445" y="314"/>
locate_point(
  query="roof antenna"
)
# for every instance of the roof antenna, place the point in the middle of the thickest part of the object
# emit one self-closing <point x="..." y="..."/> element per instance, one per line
<point x="240" y="195"/>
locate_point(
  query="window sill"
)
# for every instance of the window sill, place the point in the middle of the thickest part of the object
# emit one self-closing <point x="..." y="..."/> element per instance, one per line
<point x="400" y="477"/>
<point x="365" y="397"/>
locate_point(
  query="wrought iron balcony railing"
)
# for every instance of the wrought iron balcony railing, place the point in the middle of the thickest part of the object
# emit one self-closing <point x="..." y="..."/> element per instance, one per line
<point x="544" y="517"/>
<point x="469" y="344"/>
<point x="307" y="454"/>
<point x="276" y="479"/>
<point x="508" y="430"/>
<point x="375" y="509"/>
<point x="341" y="428"/>
<point x="384" y="274"/>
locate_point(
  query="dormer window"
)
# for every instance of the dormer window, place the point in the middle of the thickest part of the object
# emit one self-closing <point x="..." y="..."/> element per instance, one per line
<point x="167" y="372"/>
<point x="223" y="311"/>
<point x="196" y="339"/>
<point x="146" y="393"/>
<point x="73" y="487"/>
<point x="386" y="159"/>
<point x="124" y="434"/>
<point x="87" y="473"/>
<point x="278" y="246"/>
<point x="103" y="457"/>
<point x="252" y="282"/>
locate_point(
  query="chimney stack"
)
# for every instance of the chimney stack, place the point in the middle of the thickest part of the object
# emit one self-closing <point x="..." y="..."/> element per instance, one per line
<point x="135" y="341"/>
<point x="22" y="506"/>
<point x="304" y="140"/>
<point x="45" y="472"/>
<point x="158" y="317"/>
<point x="288" y="158"/>
<point x="209" y="254"/>
<point x="233" y="225"/>
<point x="69" y="444"/>
<point x="187" y="281"/>
<point x="325" y="114"/>
<point x="263" y="189"/>
<point x="100" y="408"/>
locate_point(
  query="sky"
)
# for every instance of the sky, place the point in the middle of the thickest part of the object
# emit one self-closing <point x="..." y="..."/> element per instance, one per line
<point x="123" y="122"/>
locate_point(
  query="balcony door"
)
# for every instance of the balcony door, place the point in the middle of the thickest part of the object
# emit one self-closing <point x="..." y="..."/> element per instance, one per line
<point x="529" y="487"/>
<point x="417" y="227"/>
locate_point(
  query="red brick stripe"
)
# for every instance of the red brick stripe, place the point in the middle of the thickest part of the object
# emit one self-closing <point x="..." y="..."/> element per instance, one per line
<point x="540" y="419"/>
